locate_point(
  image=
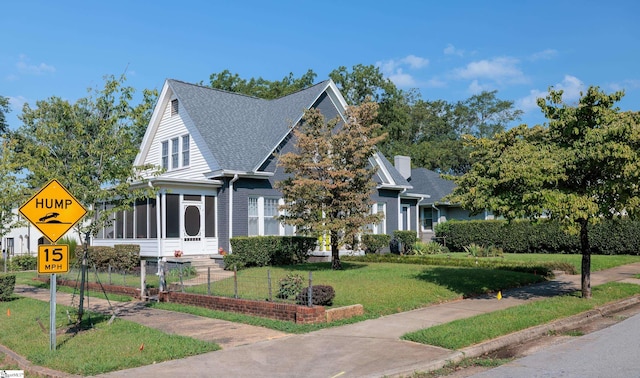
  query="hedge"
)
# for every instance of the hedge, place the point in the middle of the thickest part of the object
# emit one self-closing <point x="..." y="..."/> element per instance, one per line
<point x="609" y="237"/>
<point x="7" y="285"/>
<point x="125" y="257"/>
<point x="269" y="250"/>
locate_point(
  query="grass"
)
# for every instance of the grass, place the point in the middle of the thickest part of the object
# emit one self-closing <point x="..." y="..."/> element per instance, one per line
<point x="451" y="367"/>
<point x="382" y="288"/>
<point x="469" y="331"/>
<point x="98" y="348"/>
<point x="598" y="262"/>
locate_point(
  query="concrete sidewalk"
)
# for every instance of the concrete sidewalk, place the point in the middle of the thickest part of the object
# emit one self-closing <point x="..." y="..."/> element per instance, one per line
<point x="370" y="348"/>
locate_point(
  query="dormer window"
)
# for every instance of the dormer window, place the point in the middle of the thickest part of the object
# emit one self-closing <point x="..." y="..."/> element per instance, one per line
<point x="175" y="153"/>
<point x="174" y="107"/>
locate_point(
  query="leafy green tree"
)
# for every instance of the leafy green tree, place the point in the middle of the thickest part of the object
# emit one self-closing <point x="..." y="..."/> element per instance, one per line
<point x="4" y="109"/>
<point x="260" y="87"/>
<point x="582" y="168"/>
<point x="89" y="146"/>
<point x="484" y="115"/>
<point x="329" y="190"/>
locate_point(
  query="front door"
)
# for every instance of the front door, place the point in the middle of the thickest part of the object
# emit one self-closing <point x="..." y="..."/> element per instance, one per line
<point x="192" y="232"/>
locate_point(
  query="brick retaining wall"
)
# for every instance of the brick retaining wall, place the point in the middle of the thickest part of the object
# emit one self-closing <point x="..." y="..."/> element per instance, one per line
<point x="274" y="310"/>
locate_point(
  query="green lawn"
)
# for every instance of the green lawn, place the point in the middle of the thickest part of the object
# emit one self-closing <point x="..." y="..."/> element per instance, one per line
<point x="382" y="288"/>
<point x="98" y="349"/>
<point x="598" y="262"/>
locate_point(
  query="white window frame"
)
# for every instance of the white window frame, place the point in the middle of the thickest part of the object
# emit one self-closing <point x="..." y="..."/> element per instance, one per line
<point x="256" y="211"/>
<point x="164" y="152"/>
<point x="175" y="153"/>
<point x="379" y="228"/>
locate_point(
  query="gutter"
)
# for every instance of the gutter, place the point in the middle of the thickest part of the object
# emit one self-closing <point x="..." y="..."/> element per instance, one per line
<point x="230" y="215"/>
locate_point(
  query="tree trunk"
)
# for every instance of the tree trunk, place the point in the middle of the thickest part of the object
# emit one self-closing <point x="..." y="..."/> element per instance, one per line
<point x="585" y="248"/>
<point x="335" y="252"/>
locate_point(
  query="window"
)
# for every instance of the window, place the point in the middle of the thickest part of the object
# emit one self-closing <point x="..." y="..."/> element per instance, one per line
<point x="427" y="218"/>
<point x="174" y="107"/>
<point x="262" y="213"/>
<point x="175" y="148"/>
<point x="141" y="219"/>
<point x="379" y="228"/>
<point x="209" y="216"/>
<point x="185" y="150"/>
<point x="165" y="155"/>
<point x="173" y="216"/>
<point x="178" y="149"/>
<point x="271" y="224"/>
<point x="254" y="218"/>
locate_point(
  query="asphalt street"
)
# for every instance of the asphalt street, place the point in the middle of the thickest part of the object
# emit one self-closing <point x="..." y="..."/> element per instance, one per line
<point x="612" y="352"/>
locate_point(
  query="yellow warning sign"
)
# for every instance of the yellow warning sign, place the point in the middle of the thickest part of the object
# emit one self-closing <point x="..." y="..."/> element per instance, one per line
<point x="53" y="259"/>
<point x="53" y="210"/>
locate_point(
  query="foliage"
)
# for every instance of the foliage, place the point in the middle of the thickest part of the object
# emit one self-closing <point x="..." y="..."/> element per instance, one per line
<point x="580" y="169"/>
<point x="7" y="284"/>
<point x="608" y="237"/>
<point x="329" y="190"/>
<point x="4" y="109"/>
<point x="407" y="239"/>
<point x="428" y="248"/>
<point x="260" y="87"/>
<point x="373" y="243"/>
<point x="89" y="146"/>
<point x="290" y="286"/>
<point x="268" y="250"/>
<point x="120" y="258"/>
<point x="24" y="262"/>
<point x="72" y="243"/>
<point x="321" y="295"/>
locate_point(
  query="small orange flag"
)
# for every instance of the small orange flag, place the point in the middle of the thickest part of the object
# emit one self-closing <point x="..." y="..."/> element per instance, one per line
<point x="141" y="347"/>
<point x="8" y="312"/>
<point x="499" y="296"/>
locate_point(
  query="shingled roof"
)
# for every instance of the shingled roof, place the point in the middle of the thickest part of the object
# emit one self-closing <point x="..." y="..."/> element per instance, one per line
<point x="426" y="181"/>
<point x="242" y="131"/>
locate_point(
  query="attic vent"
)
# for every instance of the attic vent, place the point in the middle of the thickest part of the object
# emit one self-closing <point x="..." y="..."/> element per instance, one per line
<point x="174" y="107"/>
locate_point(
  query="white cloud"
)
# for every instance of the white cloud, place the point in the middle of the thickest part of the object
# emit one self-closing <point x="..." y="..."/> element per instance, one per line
<point x="544" y="55"/>
<point x="402" y="79"/>
<point x="476" y="88"/>
<point x="394" y="69"/>
<point x="17" y="103"/>
<point x="500" y="70"/>
<point x="25" y="67"/>
<point x="570" y="85"/>
<point x="625" y="85"/>
<point x="452" y="50"/>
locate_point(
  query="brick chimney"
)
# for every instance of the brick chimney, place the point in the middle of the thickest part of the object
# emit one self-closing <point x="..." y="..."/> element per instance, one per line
<point x="403" y="165"/>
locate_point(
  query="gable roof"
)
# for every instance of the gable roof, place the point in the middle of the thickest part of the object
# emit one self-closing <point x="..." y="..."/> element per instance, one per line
<point x="242" y="131"/>
<point x="426" y="181"/>
<point x="388" y="174"/>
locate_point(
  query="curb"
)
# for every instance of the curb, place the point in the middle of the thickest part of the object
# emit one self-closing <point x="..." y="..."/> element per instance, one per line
<point x="531" y="333"/>
<point x="27" y="366"/>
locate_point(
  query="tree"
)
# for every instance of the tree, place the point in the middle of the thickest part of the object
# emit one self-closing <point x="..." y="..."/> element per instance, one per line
<point x="260" y="87"/>
<point x="329" y="190"/>
<point x="582" y="168"/>
<point x="484" y="115"/>
<point x="4" y="109"/>
<point x="89" y="146"/>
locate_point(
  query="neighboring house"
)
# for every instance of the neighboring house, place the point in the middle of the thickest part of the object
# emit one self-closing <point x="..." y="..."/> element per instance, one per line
<point x="219" y="153"/>
<point x="433" y="209"/>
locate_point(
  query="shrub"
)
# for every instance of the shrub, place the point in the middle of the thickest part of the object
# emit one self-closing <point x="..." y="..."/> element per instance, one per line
<point x="290" y="286"/>
<point x="72" y="243"/>
<point x="407" y="240"/>
<point x="429" y="248"/>
<point x="474" y="250"/>
<point x="7" y="285"/>
<point x="24" y="262"/>
<point x="127" y="257"/>
<point x="374" y="243"/>
<point x="269" y="250"/>
<point x="321" y="295"/>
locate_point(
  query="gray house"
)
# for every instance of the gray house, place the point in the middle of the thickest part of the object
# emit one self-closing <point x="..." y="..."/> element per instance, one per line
<point x="434" y="209"/>
<point x="219" y="154"/>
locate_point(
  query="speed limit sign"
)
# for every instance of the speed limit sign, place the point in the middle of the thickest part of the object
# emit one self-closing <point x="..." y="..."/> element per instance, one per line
<point x="53" y="259"/>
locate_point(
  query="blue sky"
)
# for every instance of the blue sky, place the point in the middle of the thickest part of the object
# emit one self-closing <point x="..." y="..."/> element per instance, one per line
<point x="448" y="50"/>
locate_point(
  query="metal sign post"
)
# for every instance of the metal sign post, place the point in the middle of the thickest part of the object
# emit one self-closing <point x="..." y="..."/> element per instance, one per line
<point x="53" y="211"/>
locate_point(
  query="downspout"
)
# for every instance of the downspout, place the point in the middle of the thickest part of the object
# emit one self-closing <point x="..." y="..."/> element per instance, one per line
<point x="158" y="227"/>
<point x="230" y="215"/>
